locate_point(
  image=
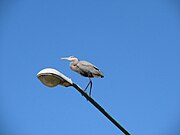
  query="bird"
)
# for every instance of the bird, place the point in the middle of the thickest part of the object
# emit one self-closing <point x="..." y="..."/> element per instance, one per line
<point x="86" y="69"/>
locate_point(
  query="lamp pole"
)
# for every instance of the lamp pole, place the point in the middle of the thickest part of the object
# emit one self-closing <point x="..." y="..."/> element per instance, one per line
<point x="100" y="109"/>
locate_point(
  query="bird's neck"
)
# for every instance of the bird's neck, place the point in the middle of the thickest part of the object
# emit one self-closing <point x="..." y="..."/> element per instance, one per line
<point x="74" y="62"/>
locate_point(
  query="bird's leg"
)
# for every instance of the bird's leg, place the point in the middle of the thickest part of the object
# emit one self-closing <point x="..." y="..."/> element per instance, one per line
<point x="87" y="86"/>
<point x="90" y="83"/>
<point x="90" y="87"/>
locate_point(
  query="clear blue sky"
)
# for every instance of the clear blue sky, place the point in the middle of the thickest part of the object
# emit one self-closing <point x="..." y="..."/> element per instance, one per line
<point x="135" y="43"/>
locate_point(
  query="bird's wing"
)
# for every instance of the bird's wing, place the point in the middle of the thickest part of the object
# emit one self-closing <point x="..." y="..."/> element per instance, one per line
<point x="88" y="69"/>
<point x="88" y="64"/>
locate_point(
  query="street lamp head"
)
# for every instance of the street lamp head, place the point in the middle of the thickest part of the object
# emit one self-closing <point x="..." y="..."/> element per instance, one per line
<point x="51" y="78"/>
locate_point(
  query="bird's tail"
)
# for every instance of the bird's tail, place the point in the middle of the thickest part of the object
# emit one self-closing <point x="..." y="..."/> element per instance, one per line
<point x="101" y="74"/>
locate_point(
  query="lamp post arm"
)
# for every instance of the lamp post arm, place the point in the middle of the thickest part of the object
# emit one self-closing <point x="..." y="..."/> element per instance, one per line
<point x="100" y="109"/>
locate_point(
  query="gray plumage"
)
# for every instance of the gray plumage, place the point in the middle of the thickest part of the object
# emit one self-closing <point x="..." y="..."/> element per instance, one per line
<point x="85" y="69"/>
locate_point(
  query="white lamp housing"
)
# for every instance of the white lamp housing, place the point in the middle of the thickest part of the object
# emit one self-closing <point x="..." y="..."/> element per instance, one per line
<point x="51" y="78"/>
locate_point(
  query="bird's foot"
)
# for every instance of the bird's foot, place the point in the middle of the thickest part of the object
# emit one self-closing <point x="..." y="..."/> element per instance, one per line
<point x="89" y="94"/>
<point x="85" y="90"/>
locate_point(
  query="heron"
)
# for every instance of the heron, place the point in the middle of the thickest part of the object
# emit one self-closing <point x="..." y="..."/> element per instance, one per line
<point x="85" y="69"/>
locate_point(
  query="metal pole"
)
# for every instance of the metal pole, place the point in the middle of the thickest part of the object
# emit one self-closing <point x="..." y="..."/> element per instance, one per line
<point x="100" y="109"/>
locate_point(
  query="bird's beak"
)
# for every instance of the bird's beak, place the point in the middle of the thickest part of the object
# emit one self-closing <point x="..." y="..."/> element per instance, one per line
<point x="64" y="58"/>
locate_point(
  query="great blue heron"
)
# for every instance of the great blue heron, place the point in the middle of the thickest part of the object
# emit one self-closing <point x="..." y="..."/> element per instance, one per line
<point x="86" y="69"/>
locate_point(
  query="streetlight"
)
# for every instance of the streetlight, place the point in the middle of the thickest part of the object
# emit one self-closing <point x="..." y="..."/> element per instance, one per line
<point x="51" y="78"/>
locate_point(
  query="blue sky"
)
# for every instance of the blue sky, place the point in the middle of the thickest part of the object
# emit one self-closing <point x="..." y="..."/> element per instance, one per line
<point x="135" y="43"/>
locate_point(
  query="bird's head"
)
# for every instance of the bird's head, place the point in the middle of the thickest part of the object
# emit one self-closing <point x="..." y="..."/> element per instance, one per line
<point x="71" y="58"/>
